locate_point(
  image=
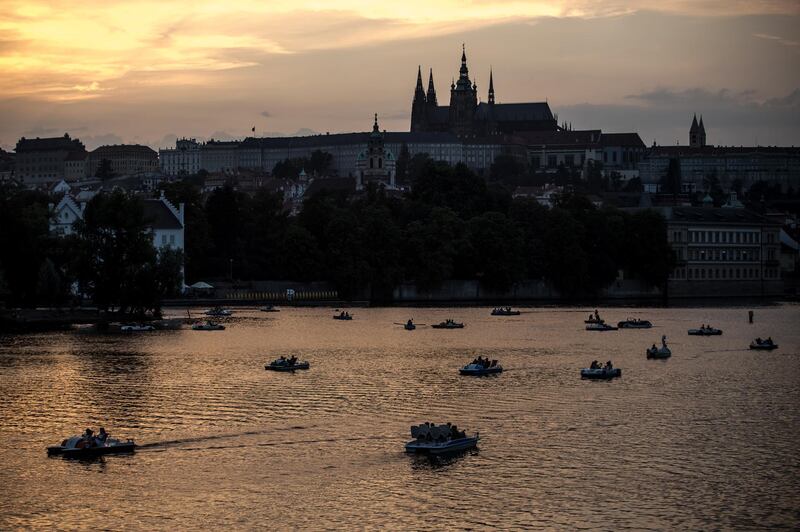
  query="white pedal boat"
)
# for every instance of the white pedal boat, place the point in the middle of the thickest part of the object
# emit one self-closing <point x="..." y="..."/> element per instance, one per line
<point x="705" y="331"/>
<point x="286" y="365"/>
<point x="479" y="370"/>
<point x="602" y="326"/>
<point x="600" y="373"/>
<point x="76" y="446"/>
<point x="433" y="439"/>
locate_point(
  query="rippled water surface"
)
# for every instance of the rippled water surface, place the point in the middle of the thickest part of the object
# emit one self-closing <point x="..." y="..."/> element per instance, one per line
<point x="709" y="439"/>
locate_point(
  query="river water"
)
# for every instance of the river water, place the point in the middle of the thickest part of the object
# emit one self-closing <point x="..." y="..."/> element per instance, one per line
<point x="708" y="439"/>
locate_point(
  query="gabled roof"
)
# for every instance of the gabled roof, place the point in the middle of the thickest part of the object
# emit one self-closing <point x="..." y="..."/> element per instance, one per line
<point x="159" y="215"/>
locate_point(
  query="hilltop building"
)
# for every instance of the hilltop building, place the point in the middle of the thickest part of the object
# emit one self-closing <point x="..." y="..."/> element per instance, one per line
<point x="123" y="159"/>
<point x="701" y="163"/>
<point x="465" y="116"/>
<point x="40" y="161"/>
<point x="183" y="159"/>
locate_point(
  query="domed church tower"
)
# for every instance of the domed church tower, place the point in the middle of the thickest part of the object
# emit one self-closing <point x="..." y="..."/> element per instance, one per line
<point x="376" y="163"/>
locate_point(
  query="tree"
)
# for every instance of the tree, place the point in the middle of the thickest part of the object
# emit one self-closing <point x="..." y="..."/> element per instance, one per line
<point x="649" y="255"/>
<point x="506" y="168"/>
<point x="104" y="170"/>
<point x="497" y="248"/>
<point x="117" y="260"/>
<point x="49" y="287"/>
<point x="24" y="239"/>
<point x="319" y="163"/>
<point x="403" y="161"/>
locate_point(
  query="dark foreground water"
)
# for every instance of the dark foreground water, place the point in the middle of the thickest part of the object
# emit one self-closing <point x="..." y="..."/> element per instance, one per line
<point x="706" y="440"/>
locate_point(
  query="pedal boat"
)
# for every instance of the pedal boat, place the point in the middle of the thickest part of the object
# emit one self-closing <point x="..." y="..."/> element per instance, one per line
<point x="600" y="373"/>
<point x="75" y="447"/>
<point x="478" y="370"/>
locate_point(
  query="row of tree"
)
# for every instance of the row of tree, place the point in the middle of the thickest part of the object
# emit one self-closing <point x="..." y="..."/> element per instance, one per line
<point x="452" y="225"/>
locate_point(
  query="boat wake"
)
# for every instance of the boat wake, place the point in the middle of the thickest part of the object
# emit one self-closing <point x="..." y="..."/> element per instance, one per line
<point x="214" y="437"/>
<point x="164" y="445"/>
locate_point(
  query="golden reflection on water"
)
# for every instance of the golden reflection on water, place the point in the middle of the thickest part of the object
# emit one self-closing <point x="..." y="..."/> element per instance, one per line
<point x="706" y="439"/>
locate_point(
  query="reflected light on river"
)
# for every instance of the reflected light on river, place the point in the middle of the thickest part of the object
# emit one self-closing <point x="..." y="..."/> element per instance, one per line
<point x="704" y="440"/>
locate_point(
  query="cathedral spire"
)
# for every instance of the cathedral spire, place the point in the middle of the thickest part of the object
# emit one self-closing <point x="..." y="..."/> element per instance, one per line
<point x="419" y="87"/>
<point x="375" y="128"/>
<point x="464" y="83"/>
<point x="431" y="91"/>
<point x="491" y="88"/>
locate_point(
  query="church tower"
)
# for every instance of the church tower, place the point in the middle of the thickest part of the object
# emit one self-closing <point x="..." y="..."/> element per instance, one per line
<point x="697" y="133"/>
<point x="419" y="104"/>
<point x="701" y="133"/>
<point x="376" y="164"/>
<point x="694" y="134"/>
<point x="463" y="100"/>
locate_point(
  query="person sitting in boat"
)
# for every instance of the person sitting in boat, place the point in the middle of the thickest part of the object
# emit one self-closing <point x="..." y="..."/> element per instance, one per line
<point x="595" y="365"/>
<point x="609" y="366"/>
<point x="759" y="341"/>
<point x="409" y="323"/>
<point x="768" y="340"/>
<point x="102" y="436"/>
<point x="87" y="438"/>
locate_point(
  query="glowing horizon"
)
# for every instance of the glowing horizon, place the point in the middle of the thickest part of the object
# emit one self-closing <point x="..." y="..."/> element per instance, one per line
<point x="98" y="56"/>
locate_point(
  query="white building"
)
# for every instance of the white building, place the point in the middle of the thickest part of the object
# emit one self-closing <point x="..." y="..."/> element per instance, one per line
<point x="183" y="159"/>
<point x="166" y="221"/>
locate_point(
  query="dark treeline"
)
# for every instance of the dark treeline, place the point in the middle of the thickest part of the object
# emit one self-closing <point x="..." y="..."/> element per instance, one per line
<point x="110" y="257"/>
<point x="453" y="225"/>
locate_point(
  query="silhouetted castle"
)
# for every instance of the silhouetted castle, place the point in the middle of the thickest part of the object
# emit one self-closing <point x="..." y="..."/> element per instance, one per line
<point x="466" y="117"/>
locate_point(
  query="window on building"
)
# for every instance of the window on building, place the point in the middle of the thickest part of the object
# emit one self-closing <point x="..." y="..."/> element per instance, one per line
<point x="551" y="161"/>
<point x="163" y="240"/>
<point x="569" y="160"/>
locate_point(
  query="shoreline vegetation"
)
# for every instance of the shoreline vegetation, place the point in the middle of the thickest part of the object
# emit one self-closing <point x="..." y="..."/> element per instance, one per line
<point x="452" y="224"/>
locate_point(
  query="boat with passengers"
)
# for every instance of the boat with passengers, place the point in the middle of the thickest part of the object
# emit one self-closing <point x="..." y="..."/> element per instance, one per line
<point x="269" y="308"/>
<point x="283" y="363"/>
<point x="596" y="371"/>
<point x="481" y="366"/>
<point x="764" y="345"/>
<point x="659" y="352"/>
<point x="439" y="439"/>
<point x="594" y="318"/>
<point x="88" y="445"/>
<point x="218" y="312"/>
<point x="448" y="324"/>
<point x="705" y="330"/>
<point x="634" y="323"/>
<point x="504" y="311"/>
<point x="136" y="327"/>
<point x="343" y="315"/>
<point x="208" y="326"/>
<point x="602" y="326"/>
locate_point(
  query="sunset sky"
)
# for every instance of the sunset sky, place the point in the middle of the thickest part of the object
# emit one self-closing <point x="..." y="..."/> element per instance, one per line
<point x="118" y="71"/>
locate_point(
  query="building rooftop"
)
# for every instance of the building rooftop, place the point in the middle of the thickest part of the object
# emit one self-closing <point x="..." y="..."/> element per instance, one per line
<point x="627" y="140"/>
<point x="715" y="215"/>
<point x="160" y="216"/>
<point x="49" y="144"/>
